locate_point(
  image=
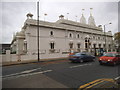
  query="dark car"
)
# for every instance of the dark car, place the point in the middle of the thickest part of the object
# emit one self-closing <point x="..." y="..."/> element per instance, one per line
<point x="112" y="58"/>
<point x="81" y="57"/>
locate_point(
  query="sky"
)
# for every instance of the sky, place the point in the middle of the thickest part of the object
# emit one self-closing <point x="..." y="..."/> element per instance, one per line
<point x="13" y="14"/>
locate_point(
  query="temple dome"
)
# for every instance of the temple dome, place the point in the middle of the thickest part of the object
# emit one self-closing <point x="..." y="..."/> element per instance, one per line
<point x="91" y="20"/>
<point x="82" y="19"/>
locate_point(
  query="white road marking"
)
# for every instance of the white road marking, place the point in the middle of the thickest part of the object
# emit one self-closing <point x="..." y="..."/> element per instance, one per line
<point x="27" y="71"/>
<point x="117" y="78"/>
<point x="23" y="75"/>
<point x="79" y="65"/>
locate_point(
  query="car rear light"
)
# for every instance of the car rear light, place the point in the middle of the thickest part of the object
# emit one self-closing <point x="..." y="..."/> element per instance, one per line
<point x="110" y="60"/>
<point x="100" y="59"/>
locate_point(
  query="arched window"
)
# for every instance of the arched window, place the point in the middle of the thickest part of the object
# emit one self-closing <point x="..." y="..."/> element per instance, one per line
<point x="78" y="36"/>
<point x="52" y="44"/>
<point x="51" y="33"/>
<point x="71" y="45"/>
<point x="99" y="45"/>
<point x="70" y="35"/>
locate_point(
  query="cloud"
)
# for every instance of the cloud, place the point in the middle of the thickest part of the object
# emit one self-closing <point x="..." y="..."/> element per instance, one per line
<point x="14" y="14"/>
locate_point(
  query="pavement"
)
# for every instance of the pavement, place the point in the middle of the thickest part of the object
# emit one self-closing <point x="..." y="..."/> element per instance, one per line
<point x="36" y="81"/>
<point x="30" y="61"/>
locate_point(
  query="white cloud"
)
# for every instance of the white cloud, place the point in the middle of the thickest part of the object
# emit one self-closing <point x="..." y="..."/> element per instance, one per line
<point x="14" y="13"/>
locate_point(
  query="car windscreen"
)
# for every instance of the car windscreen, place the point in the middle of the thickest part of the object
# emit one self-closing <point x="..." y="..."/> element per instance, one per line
<point x="110" y="54"/>
<point x="79" y="54"/>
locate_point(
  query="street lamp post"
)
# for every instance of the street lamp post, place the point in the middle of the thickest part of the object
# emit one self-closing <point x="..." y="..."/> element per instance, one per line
<point x="105" y="36"/>
<point x="38" y="29"/>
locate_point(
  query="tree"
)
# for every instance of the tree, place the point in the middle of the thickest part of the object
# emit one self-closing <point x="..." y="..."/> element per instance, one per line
<point x="117" y="36"/>
<point x="117" y="41"/>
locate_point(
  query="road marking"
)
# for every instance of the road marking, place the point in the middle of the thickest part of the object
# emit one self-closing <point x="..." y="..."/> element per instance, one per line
<point x="29" y="74"/>
<point x="27" y="71"/>
<point x="95" y="83"/>
<point x="117" y="78"/>
<point x="79" y="65"/>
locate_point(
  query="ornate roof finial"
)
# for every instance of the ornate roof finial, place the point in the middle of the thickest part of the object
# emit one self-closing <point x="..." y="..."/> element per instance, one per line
<point x="61" y="17"/>
<point x="29" y="16"/>
<point x="82" y="19"/>
<point x="91" y="20"/>
<point x="67" y="15"/>
<point x="45" y="14"/>
<point x="83" y="11"/>
<point x="91" y="11"/>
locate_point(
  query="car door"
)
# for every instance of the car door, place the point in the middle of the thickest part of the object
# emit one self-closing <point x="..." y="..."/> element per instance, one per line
<point x="118" y="57"/>
<point x="86" y="57"/>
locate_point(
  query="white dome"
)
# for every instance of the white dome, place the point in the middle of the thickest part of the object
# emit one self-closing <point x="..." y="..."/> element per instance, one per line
<point x="91" y="21"/>
<point x="82" y="19"/>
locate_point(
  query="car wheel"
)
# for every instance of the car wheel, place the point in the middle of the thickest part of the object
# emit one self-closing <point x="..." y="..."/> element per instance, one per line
<point x="100" y="63"/>
<point x="72" y="61"/>
<point x="81" y="61"/>
<point x="93" y="60"/>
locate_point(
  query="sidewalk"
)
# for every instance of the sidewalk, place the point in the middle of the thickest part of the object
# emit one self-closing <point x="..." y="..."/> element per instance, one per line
<point x="32" y="81"/>
<point x="30" y="61"/>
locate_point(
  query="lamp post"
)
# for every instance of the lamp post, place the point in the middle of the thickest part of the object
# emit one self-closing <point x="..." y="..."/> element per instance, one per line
<point x="105" y="36"/>
<point x="38" y="29"/>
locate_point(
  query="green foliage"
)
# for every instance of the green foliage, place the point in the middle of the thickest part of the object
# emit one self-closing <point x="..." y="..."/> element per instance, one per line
<point x="117" y="36"/>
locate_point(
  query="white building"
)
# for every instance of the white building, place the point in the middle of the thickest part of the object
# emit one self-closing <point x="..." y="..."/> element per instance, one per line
<point x="59" y="38"/>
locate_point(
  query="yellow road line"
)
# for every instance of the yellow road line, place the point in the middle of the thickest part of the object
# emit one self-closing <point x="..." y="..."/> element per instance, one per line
<point x="83" y="86"/>
<point x="95" y="82"/>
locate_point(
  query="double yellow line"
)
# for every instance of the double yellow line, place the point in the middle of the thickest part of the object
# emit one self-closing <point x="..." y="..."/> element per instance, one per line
<point x="94" y="83"/>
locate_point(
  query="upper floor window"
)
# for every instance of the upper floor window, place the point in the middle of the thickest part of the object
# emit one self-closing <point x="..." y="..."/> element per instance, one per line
<point x="93" y="37"/>
<point x="51" y="33"/>
<point x="98" y="38"/>
<point x="70" y="35"/>
<point x="78" y="36"/>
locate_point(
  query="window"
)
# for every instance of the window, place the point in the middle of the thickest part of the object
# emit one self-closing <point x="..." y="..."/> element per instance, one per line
<point x="51" y="33"/>
<point x="78" y="36"/>
<point x="98" y="38"/>
<point x="86" y="43"/>
<point x="52" y="45"/>
<point x="25" y="47"/>
<point x="99" y="45"/>
<point x="94" y="45"/>
<point x="78" y="45"/>
<point x="70" y="35"/>
<point x="71" y="45"/>
<point x="104" y="45"/>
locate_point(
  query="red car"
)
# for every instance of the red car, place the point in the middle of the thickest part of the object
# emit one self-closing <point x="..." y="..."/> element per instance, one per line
<point x="110" y="58"/>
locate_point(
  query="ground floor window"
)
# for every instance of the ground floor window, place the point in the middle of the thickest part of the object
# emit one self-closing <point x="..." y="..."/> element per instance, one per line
<point x="52" y="44"/>
<point x="78" y="45"/>
<point x="71" y="45"/>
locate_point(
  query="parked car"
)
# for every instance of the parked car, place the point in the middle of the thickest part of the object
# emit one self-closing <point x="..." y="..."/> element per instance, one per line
<point x="81" y="57"/>
<point x="110" y="58"/>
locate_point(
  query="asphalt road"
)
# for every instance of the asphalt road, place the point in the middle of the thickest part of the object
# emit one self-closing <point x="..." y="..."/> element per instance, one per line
<point x="62" y="74"/>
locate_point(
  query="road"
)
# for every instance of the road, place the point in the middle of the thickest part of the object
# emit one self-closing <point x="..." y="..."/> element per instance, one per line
<point x="60" y="74"/>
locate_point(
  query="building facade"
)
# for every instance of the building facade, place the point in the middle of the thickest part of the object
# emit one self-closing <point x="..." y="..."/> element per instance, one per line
<point x="58" y="39"/>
